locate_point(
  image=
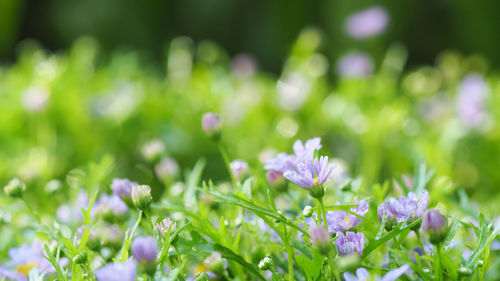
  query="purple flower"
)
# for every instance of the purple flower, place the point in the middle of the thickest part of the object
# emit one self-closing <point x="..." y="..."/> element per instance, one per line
<point x="319" y="235"/>
<point x="340" y="221"/>
<point x="243" y="65"/>
<point x="281" y="163"/>
<point x="433" y="221"/>
<point x="11" y="275"/>
<point x="302" y="152"/>
<point x="470" y="101"/>
<point x="363" y="274"/>
<point x="406" y="208"/>
<point x="166" y="168"/>
<point x="350" y="243"/>
<point x="122" y="188"/>
<point x="144" y="249"/>
<point x="117" y="271"/>
<point x="211" y="123"/>
<point x="239" y="168"/>
<point x="367" y="23"/>
<point x="310" y="173"/>
<point x="110" y="207"/>
<point x="354" y="65"/>
<point x="27" y="257"/>
<point x="165" y="225"/>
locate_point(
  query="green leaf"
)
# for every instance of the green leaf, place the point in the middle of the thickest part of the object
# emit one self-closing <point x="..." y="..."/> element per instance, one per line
<point x="312" y="267"/>
<point x="193" y="178"/>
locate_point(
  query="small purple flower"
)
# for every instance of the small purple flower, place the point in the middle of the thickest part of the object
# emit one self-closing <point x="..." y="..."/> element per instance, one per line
<point x="310" y="173"/>
<point x="319" y="235"/>
<point x="354" y="65"/>
<point x="117" y="271"/>
<point x="406" y="208"/>
<point x="367" y="23"/>
<point x="239" y="168"/>
<point x="350" y="243"/>
<point x="340" y="221"/>
<point x="433" y="221"/>
<point x="165" y="225"/>
<point x="211" y="123"/>
<point x="110" y="207"/>
<point x="363" y="274"/>
<point x="302" y="152"/>
<point x="11" y="275"/>
<point x="122" y="188"/>
<point x="281" y="163"/>
<point x="166" y="168"/>
<point x="144" y="249"/>
<point x="471" y="99"/>
<point x="29" y="256"/>
<point x="274" y="178"/>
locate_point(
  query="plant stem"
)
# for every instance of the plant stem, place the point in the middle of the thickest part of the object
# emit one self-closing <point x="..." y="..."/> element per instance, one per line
<point x="439" y="274"/>
<point x="223" y="152"/>
<point x="289" y="250"/>
<point x="322" y="212"/>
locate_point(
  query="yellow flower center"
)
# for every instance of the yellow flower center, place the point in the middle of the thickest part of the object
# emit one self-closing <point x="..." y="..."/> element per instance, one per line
<point x="346" y="219"/>
<point x="315" y="180"/>
<point x="25" y="268"/>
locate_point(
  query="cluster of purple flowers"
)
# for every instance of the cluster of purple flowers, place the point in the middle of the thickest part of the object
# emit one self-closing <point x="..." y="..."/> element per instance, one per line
<point x="406" y="208"/>
<point x="340" y="221"/>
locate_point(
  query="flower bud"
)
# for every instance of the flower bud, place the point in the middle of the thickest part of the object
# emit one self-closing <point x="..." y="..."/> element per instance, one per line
<point x="435" y="224"/>
<point x="308" y="211"/>
<point x="152" y="150"/>
<point x="464" y="271"/>
<point x="15" y="188"/>
<point x="165" y="225"/>
<point x="144" y="250"/>
<point x="317" y="191"/>
<point x="141" y="196"/>
<point x="123" y="189"/>
<point x="320" y="239"/>
<point x="80" y="258"/>
<point x="239" y="168"/>
<point x="167" y="169"/>
<point x="211" y="125"/>
<point x="266" y="263"/>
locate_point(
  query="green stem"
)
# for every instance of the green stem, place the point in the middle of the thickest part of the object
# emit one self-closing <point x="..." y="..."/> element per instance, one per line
<point x="439" y="274"/>
<point x="290" y="255"/>
<point x="30" y="209"/>
<point x="332" y="265"/>
<point x="148" y="218"/>
<point x="225" y="156"/>
<point x="322" y="212"/>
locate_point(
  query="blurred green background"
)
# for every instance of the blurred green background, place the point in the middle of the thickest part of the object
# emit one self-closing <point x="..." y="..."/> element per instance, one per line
<point x="265" y="29"/>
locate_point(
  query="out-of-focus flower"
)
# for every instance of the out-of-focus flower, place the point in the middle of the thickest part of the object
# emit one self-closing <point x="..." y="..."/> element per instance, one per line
<point x="275" y="178"/>
<point x="165" y="225"/>
<point x="214" y="262"/>
<point x="350" y="243"/>
<point x="167" y="168"/>
<point x="26" y="257"/>
<point x="292" y="91"/>
<point x="111" y="207"/>
<point x="406" y="208"/>
<point x="144" y="249"/>
<point x="310" y="173"/>
<point x="123" y="189"/>
<point x="35" y="98"/>
<point x="340" y="221"/>
<point x="470" y="100"/>
<point x="281" y="163"/>
<point x="111" y="235"/>
<point x="302" y="152"/>
<point x="211" y="124"/>
<point x="152" y="149"/>
<point x="141" y="196"/>
<point x="11" y="275"/>
<point x="434" y="223"/>
<point x="367" y="23"/>
<point x="355" y="65"/>
<point x="117" y="271"/>
<point x="243" y="65"/>
<point x="15" y="188"/>
<point x="239" y="168"/>
<point x="265" y="263"/>
<point x="320" y="238"/>
<point x="363" y="274"/>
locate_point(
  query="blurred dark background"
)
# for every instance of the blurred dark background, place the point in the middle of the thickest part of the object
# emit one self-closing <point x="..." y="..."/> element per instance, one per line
<point x="262" y="28"/>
